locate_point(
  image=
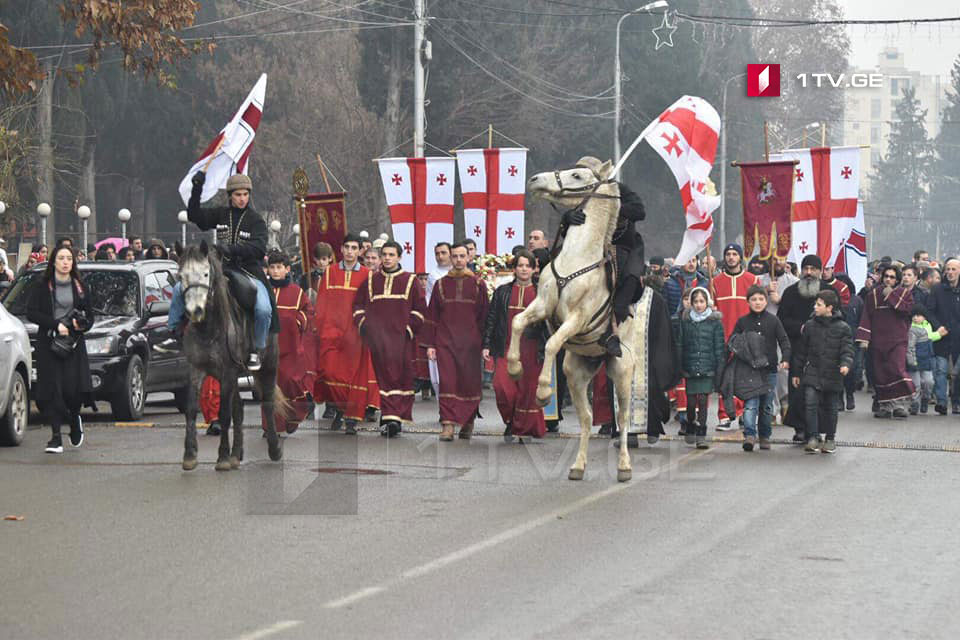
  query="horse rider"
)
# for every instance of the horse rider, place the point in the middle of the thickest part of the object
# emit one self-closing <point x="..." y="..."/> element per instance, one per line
<point x="629" y="253"/>
<point x="242" y="243"/>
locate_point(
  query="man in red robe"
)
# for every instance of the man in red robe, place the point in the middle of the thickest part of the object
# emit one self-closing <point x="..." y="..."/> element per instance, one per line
<point x="295" y="370"/>
<point x="388" y="312"/>
<point x="516" y="399"/>
<point x="730" y="293"/>
<point x="343" y="362"/>
<point x="843" y="291"/>
<point x="453" y="334"/>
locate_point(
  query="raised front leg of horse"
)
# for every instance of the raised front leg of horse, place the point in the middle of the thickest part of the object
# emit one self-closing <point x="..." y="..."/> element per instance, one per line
<point x="580" y="372"/>
<point x="190" y="438"/>
<point x="620" y="370"/>
<point x="570" y="327"/>
<point x="535" y="312"/>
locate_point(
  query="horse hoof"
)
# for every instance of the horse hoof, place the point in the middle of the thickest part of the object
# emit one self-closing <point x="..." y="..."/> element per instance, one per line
<point x="223" y="465"/>
<point x="624" y="475"/>
<point x="275" y="452"/>
<point x="189" y="464"/>
<point x="543" y="401"/>
<point x="234" y="462"/>
<point x="575" y="474"/>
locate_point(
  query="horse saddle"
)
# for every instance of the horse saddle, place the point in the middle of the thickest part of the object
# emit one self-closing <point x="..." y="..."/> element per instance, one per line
<point x="242" y="288"/>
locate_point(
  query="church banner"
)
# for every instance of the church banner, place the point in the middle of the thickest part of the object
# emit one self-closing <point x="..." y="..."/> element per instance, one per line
<point x="767" y="202"/>
<point x="323" y="218"/>
<point x="493" y="182"/>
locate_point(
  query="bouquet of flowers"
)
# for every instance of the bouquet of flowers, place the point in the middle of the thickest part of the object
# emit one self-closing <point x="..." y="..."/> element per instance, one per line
<point x="490" y="266"/>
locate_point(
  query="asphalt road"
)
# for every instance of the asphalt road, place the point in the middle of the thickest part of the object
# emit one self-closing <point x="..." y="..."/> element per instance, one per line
<point x="482" y="539"/>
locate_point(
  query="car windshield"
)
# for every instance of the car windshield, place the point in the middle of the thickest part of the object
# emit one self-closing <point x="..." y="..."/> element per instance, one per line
<point x="112" y="293"/>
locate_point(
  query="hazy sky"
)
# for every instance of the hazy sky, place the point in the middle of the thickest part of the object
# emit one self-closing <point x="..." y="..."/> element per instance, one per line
<point x="928" y="49"/>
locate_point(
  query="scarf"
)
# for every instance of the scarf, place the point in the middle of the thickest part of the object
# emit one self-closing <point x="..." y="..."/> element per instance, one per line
<point x="277" y="284"/>
<point x="697" y="316"/>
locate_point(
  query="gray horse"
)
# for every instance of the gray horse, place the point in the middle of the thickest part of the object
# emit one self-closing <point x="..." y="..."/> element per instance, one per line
<point x="217" y="343"/>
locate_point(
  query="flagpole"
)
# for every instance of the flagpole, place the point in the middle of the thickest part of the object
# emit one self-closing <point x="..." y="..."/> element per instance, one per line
<point x="323" y="173"/>
<point x="632" y="147"/>
<point x="766" y="141"/>
<point x="214" y="154"/>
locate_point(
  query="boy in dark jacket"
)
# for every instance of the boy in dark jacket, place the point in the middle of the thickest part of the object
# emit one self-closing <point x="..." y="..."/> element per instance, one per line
<point x="771" y="330"/>
<point x="822" y="357"/>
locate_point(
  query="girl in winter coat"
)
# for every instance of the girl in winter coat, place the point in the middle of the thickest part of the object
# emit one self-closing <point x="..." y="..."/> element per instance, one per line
<point x="701" y="352"/>
<point x="59" y="306"/>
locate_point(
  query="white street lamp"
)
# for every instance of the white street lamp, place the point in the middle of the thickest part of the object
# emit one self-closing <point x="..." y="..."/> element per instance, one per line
<point x="83" y="212"/>
<point x="660" y="4"/>
<point x="184" y="219"/>
<point x="124" y="215"/>
<point x="3" y="207"/>
<point x="43" y="210"/>
<point x="296" y="227"/>
<point x="274" y="230"/>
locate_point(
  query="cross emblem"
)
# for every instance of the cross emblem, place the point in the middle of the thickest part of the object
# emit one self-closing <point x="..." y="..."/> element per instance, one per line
<point x="441" y="179"/>
<point x="397" y="179"/>
<point x="477" y="231"/>
<point x="846" y="173"/>
<point x="509" y="232"/>
<point x="407" y="247"/>
<point x="799" y="175"/>
<point x="803" y="247"/>
<point x="672" y="144"/>
<point x="472" y="170"/>
<point x="512" y="170"/>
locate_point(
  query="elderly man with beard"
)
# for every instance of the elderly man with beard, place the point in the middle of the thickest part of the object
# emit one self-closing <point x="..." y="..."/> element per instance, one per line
<point x="796" y="307"/>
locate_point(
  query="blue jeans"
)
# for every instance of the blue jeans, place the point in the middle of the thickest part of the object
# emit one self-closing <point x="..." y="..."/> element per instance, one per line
<point x="764" y="405"/>
<point x="262" y="313"/>
<point x="941" y="370"/>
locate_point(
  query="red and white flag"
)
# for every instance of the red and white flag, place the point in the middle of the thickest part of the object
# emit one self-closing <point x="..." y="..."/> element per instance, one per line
<point x="231" y="147"/>
<point x="419" y="193"/>
<point x="853" y="259"/>
<point x="825" y="190"/>
<point x="685" y="136"/>
<point x="493" y="182"/>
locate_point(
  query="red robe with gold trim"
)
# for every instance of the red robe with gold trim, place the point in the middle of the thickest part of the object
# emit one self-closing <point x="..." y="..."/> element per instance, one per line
<point x="389" y="311"/>
<point x="843" y="291"/>
<point x="343" y="361"/>
<point x="517" y="399"/>
<point x="730" y="297"/>
<point x="296" y="373"/>
<point x="454" y="327"/>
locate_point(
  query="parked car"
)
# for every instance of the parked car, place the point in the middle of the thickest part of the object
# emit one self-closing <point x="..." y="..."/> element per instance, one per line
<point x="15" y="375"/>
<point x="130" y="301"/>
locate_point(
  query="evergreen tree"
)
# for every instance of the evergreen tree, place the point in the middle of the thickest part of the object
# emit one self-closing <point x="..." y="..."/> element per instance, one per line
<point x="945" y="187"/>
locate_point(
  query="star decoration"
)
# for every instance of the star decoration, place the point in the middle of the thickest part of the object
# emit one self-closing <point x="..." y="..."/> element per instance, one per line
<point x="668" y="30"/>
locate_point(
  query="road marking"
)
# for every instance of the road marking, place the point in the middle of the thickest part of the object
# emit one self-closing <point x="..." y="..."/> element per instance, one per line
<point x="273" y="629"/>
<point x="500" y="538"/>
<point x="131" y="424"/>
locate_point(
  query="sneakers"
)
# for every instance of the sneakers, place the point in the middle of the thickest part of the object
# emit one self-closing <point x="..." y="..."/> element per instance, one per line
<point x="812" y="446"/>
<point x="702" y="442"/>
<point x="899" y="413"/>
<point x="941" y="409"/>
<point x="337" y="421"/>
<point x="253" y="362"/>
<point x="652" y="438"/>
<point x="170" y="345"/>
<point x="214" y="428"/>
<point x="392" y="429"/>
<point x="726" y="425"/>
<point x="329" y="412"/>
<point x="507" y="435"/>
<point x="829" y="446"/>
<point x="799" y="438"/>
<point x="55" y="445"/>
<point x="76" y="432"/>
<point x="883" y="414"/>
<point x="764" y="444"/>
<point x="749" y="442"/>
<point x="690" y="437"/>
<point x="914" y="408"/>
<point x="350" y="427"/>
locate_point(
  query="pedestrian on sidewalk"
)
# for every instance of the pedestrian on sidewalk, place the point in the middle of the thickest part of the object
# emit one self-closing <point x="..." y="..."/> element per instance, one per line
<point x="701" y="352"/>
<point x="59" y="306"/>
<point x="821" y="358"/>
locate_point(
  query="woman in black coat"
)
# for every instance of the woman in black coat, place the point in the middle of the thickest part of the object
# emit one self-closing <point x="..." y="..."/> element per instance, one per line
<point x="60" y="308"/>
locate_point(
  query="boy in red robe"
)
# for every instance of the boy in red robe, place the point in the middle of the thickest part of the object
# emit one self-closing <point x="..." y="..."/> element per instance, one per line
<point x="516" y="399"/>
<point x="454" y="339"/>
<point x="343" y="362"/>
<point x="295" y="374"/>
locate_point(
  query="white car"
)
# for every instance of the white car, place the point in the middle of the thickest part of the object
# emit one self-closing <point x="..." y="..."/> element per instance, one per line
<point x="15" y="376"/>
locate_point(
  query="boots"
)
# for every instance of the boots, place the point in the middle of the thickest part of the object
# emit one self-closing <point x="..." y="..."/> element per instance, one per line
<point x="702" y="436"/>
<point x="466" y="431"/>
<point x="446" y="434"/>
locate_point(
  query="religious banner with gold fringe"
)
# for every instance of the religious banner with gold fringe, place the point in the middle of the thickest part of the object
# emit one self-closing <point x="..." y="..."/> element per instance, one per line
<point x="322" y="218"/>
<point x="767" y="203"/>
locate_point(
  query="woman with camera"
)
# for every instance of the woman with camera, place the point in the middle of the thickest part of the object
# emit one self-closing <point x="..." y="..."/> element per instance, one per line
<point x="59" y="306"/>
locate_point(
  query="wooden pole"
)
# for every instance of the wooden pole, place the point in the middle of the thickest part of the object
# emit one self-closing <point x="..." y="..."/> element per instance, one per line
<point x="823" y="134"/>
<point x="489" y="136"/>
<point x="214" y="154"/>
<point x="766" y="141"/>
<point x="803" y="144"/>
<point x="323" y="173"/>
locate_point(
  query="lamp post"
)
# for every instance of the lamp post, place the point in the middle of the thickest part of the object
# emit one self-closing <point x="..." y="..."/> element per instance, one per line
<point x="274" y="230"/>
<point x="3" y="207"/>
<point x="183" y="218"/>
<point x="124" y="215"/>
<point x="616" y="78"/>
<point x="723" y="161"/>
<point x="43" y="210"/>
<point x="83" y="212"/>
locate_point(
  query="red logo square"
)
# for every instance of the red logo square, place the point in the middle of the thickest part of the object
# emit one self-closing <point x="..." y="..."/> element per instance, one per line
<point x="763" y="80"/>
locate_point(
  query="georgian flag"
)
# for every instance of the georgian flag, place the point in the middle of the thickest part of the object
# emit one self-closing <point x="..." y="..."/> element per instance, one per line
<point x="419" y="194"/>
<point x="685" y="136"/>
<point x="493" y="182"/>
<point x="231" y="147"/>
<point x="825" y="190"/>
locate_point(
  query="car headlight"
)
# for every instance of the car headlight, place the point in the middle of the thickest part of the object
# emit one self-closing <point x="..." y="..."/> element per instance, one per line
<point x="102" y="346"/>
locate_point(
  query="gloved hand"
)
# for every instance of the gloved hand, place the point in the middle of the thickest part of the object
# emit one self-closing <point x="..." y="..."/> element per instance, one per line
<point x="574" y="217"/>
<point x="226" y="252"/>
<point x="198" y="179"/>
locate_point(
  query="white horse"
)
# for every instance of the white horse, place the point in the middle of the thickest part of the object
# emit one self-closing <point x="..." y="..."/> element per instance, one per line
<point x="574" y="298"/>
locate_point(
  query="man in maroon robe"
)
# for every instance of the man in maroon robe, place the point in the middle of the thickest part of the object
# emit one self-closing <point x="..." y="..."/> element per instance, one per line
<point x="453" y="334"/>
<point x="884" y="327"/>
<point x="389" y="311"/>
<point x="295" y="370"/>
<point x="516" y="399"/>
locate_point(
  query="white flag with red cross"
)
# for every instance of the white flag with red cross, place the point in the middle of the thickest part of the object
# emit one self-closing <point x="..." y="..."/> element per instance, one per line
<point x="685" y="136"/>
<point x="825" y="190"/>
<point x="493" y="183"/>
<point x="419" y="193"/>
<point x="231" y="148"/>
